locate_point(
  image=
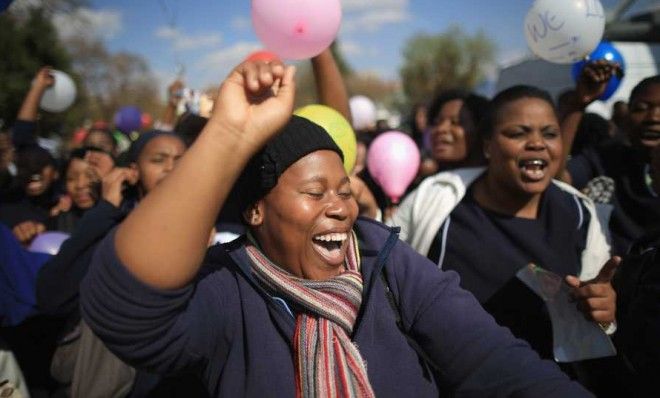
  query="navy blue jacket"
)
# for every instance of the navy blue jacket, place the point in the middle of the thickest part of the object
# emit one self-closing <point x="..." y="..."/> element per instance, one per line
<point x="59" y="279"/>
<point x="239" y="338"/>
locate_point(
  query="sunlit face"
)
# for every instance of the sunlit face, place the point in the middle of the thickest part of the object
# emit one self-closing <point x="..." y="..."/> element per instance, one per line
<point x="157" y="159"/>
<point x="644" y="118"/>
<point x="78" y="182"/>
<point x="303" y="224"/>
<point x="448" y="138"/>
<point x="39" y="183"/>
<point x="420" y="118"/>
<point x="526" y="148"/>
<point x="100" y="140"/>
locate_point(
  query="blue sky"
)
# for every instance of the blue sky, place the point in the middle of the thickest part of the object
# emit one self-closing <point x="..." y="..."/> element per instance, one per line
<point x="209" y="37"/>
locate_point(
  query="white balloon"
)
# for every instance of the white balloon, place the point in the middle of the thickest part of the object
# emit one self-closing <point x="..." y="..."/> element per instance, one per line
<point x="60" y="95"/>
<point x="363" y="112"/>
<point x="564" y="31"/>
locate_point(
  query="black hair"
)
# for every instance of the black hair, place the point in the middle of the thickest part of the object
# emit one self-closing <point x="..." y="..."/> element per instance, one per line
<point x="642" y="86"/>
<point x="106" y="133"/>
<point x="32" y="160"/>
<point x="471" y="113"/>
<point x="138" y="145"/>
<point x="470" y="117"/>
<point x="504" y="98"/>
<point x="189" y="126"/>
<point x="79" y="153"/>
<point x="592" y="131"/>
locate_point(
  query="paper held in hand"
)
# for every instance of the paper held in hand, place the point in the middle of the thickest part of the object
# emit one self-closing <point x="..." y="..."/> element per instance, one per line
<point x="574" y="337"/>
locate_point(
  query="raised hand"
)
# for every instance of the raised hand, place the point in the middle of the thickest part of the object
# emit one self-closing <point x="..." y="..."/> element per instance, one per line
<point x="255" y="101"/>
<point x="113" y="184"/>
<point x="44" y="78"/>
<point x="596" y="298"/>
<point x="27" y="230"/>
<point x="594" y="79"/>
<point x="101" y="162"/>
<point x="63" y="205"/>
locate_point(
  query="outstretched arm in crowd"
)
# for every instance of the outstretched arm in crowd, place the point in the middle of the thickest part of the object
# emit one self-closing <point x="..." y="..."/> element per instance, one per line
<point x="23" y="131"/>
<point x="591" y="85"/>
<point x="330" y="85"/>
<point x="59" y="279"/>
<point x="171" y="226"/>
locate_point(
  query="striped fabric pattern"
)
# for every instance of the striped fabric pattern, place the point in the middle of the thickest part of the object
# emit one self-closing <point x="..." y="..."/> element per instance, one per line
<point x="328" y="364"/>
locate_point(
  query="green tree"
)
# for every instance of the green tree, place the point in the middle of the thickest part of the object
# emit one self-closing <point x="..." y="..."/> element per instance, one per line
<point x="452" y="59"/>
<point x="26" y="46"/>
<point x="113" y="79"/>
<point x="105" y="80"/>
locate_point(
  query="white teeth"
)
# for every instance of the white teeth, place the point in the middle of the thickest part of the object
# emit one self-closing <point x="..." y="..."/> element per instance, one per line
<point x="533" y="162"/>
<point x="333" y="237"/>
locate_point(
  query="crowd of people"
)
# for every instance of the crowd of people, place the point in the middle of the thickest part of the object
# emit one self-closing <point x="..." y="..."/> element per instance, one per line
<point x="234" y="256"/>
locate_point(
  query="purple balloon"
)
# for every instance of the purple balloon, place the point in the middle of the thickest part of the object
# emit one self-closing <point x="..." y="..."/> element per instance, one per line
<point x="128" y="119"/>
<point x="48" y="242"/>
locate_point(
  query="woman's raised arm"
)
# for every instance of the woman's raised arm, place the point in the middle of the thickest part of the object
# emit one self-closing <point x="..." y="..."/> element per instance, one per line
<point x="163" y="241"/>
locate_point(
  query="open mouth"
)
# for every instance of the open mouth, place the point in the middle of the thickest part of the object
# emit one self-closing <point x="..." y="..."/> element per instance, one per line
<point x="35" y="186"/>
<point x="650" y="136"/>
<point x="533" y="169"/>
<point x="330" y="246"/>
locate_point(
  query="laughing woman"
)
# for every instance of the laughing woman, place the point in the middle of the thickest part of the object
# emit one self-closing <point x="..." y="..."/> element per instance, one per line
<point x="515" y="214"/>
<point x="299" y="306"/>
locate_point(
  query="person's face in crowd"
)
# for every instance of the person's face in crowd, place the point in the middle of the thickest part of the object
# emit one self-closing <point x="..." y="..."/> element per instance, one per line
<point x="420" y="118"/>
<point x="100" y="140"/>
<point x="525" y="148"/>
<point x="303" y="224"/>
<point x="360" y="158"/>
<point x="644" y="118"/>
<point x="78" y="182"/>
<point x="39" y="183"/>
<point x="448" y="138"/>
<point x="157" y="160"/>
<point x="619" y="113"/>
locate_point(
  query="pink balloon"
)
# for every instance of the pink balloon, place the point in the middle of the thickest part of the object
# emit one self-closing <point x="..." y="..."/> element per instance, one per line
<point x="393" y="161"/>
<point x="296" y="29"/>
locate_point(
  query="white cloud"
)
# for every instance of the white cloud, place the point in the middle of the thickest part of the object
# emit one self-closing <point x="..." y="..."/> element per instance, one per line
<point x="241" y="23"/>
<point x="350" y="48"/>
<point x="512" y="55"/>
<point x="216" y="65"/>
<point x="357" y="5"/>
<point x="83" y="21"/>
<point x="372" y="15"/>
<point x="373" y="20"/>
<point x="181" y="41"/>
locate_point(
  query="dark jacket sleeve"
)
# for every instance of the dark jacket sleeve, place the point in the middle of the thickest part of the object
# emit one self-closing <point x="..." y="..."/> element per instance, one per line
<point x="162" y="331"/>
<point x="58" y="281"/>
<point x="23" y="134"/>
<point x="473" y="354"/>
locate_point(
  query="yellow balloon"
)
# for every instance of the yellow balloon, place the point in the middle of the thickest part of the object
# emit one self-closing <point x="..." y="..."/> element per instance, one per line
<point x="337" y="126"/>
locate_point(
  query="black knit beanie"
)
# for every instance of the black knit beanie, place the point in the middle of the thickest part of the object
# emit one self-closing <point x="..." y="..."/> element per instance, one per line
<point x="298" y="138"/>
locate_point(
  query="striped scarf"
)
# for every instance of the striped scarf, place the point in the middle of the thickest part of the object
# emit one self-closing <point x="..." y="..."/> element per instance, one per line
<point x="327" y="362"/>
